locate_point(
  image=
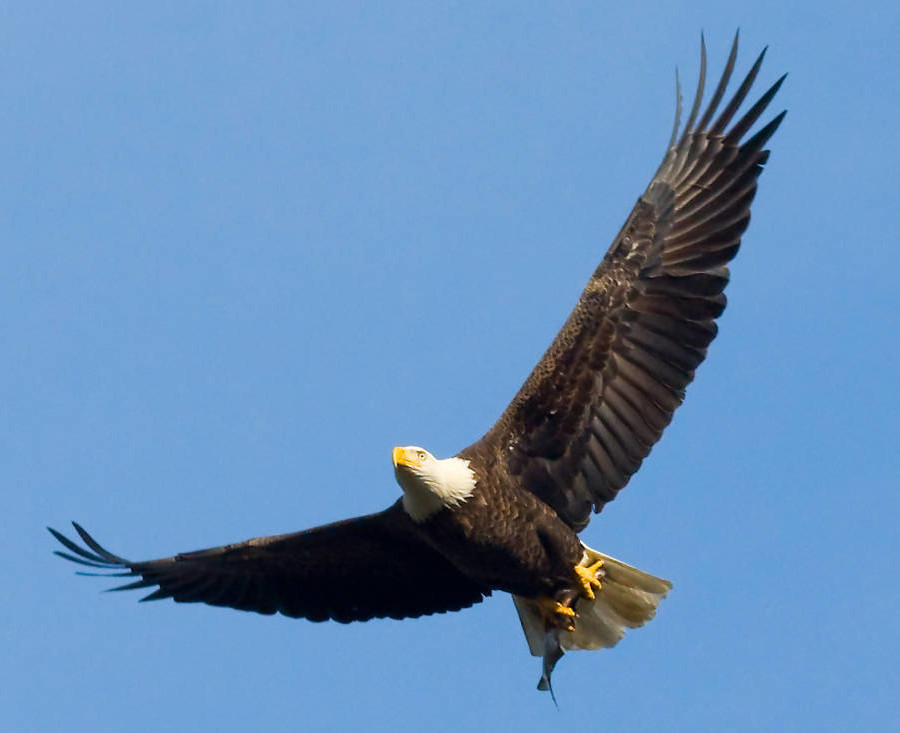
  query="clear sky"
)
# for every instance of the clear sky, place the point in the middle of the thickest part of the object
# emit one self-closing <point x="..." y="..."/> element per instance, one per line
<point x="246" y="249"/>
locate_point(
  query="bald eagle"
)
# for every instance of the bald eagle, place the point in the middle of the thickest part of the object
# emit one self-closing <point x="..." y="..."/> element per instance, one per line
<point x="504" y="513"/>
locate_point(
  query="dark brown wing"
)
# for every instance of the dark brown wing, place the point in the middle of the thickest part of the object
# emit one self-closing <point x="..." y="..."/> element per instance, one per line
<point x="355" y="570"/>
<point x="608" y="385"/>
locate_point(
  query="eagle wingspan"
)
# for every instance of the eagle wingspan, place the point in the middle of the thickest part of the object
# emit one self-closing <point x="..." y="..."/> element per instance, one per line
<point x="604" y="391"/>
<point x="354" y="570"/>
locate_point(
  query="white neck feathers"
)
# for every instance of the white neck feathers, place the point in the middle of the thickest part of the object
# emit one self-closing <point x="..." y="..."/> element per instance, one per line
<point x="437" y="485"/>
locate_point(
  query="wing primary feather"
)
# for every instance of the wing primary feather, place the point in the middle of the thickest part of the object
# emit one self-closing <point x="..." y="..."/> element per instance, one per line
<point x="95" y="546"/>
<point x="746" y="122"/>
<point x="701" y="284"/>
<point x="123" y="574"/>
<point x="698" y="96"/>
<point x="198" y="591"/>
<point x="671" y="148"/>
<point x="178" y="587"/>
<point x="705" y="260"/>
<point x="698" y="207"/>
<point x="142" y="583"/>
<point x="158" y="595"/>
<point x="722" y="85"/>
<point x="674" y="137"/>
<point x="739" y="96"/>
<point x="688" y="142"/>
<point x="762" y="137"/>
<point x="715" y="215"/>
<point x="65" y="541"/>
<point x="80" y="561"/>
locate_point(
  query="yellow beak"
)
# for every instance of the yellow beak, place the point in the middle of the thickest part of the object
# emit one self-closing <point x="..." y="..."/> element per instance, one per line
<point x="403" y="457"/>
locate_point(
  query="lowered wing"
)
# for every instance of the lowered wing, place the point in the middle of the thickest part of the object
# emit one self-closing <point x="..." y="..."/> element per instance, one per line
<point x="368" y="567"/>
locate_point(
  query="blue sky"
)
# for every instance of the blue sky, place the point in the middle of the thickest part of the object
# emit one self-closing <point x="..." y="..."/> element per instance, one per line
<point x="249" y="248"/>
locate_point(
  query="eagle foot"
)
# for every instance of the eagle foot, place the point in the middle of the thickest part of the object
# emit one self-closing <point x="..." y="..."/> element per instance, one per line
<point x="587" y="576"/>
<point x="556" y="614"/>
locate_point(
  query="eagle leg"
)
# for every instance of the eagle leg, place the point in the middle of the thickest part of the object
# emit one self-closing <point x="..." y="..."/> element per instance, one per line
<point x="556" y="614"/>
<point x="587" y="577"/>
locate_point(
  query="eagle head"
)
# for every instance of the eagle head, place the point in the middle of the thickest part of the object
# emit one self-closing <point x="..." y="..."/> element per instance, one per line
<point x="430" y="484"/>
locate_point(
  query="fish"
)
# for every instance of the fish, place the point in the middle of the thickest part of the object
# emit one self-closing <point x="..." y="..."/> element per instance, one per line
<point x="553" y="652"/>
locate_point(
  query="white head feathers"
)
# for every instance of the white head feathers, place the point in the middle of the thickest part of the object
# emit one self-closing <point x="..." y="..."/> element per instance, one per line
<point x="430" y="484"/>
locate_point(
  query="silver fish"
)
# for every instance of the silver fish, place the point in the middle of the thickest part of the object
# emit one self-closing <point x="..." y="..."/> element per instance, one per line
<point x="553" y="652"/>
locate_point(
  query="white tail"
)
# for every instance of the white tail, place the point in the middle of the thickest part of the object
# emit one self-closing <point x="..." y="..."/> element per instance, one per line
<point x="628" y="599"/>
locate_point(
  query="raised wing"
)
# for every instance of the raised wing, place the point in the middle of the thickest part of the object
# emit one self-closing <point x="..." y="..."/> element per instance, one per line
<point x="606" y="388"/>
<point x="369" y="567"/>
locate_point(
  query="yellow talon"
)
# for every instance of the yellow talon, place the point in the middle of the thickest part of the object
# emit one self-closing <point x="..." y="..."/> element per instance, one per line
<point x="588" y="578"/>
<point x="551" y="610"/>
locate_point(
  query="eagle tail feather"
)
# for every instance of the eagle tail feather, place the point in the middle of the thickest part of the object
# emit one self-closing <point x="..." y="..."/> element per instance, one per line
<point x="627" y="599"/>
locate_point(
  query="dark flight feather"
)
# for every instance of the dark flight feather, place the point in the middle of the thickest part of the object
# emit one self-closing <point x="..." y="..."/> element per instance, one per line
<point x="368" y="567"/>
<point x="604" y="391"/>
